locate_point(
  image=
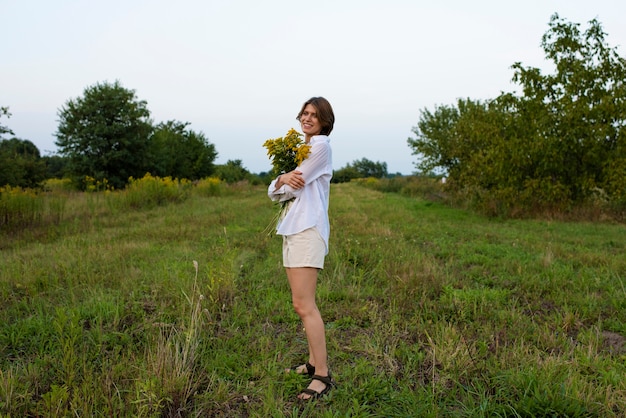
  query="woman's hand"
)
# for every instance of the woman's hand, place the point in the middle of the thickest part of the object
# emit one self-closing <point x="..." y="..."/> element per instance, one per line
<point x="293" y="179"/>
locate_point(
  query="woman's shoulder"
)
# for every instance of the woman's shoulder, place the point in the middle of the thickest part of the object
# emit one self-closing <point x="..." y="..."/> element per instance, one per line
<point x="320" y="141"/>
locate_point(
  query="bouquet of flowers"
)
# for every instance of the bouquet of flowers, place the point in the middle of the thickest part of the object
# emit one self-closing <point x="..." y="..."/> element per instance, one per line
<point x="286" y="153"/>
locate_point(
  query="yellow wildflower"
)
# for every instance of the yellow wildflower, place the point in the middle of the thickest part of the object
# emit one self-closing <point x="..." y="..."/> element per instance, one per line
<point x="288" y="152"/>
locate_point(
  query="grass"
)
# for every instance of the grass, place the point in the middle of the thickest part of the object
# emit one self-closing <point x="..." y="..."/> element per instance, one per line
<point x="430" y="311"/>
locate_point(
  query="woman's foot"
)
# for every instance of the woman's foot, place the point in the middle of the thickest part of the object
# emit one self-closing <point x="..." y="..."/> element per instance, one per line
<point x="306" y="368"/>
<point x="320" y="386"/>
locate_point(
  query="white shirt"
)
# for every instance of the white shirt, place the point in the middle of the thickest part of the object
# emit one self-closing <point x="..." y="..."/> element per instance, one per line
<point x="310" y="207"/>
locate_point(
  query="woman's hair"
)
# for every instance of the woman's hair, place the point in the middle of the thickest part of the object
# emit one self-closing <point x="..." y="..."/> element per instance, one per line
<point x="324" y="113"/>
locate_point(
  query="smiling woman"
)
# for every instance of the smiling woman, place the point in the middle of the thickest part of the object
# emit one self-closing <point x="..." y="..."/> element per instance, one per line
<point x="305" y="229"/>
<point x="316" y="118"/>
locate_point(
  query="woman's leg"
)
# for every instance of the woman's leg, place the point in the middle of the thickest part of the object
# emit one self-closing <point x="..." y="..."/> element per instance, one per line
<point x="303" y="282"/>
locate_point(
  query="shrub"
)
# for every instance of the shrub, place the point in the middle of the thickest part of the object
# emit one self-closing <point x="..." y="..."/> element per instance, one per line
<point x="210" y="186"/>
<point x="90" y="184"/>
<point x="58" y="185"/>
<point x="19" y="208"/>
<point x="415" y="186"/>
<point x="152" y="191"/>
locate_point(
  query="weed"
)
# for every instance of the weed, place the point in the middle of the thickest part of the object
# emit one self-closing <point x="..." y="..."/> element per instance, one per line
<point x="173" y="375"/>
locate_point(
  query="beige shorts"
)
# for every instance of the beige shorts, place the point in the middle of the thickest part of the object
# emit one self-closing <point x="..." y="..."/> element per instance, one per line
<point x="304" y="249"/>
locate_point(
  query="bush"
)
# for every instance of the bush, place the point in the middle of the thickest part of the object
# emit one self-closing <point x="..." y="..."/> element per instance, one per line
<point x="19" y="208"/>
<point x="430" y="188"/>
<point x="152" y="191"/>
<point x="59" y="185"/>
<point x="210" y="186"/>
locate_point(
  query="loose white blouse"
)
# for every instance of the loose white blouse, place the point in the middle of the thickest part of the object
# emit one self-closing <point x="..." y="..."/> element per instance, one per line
<point x="310" y="206"/>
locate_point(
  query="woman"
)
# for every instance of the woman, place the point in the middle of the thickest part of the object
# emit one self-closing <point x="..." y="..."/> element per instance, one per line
<point x="305" y="230"/>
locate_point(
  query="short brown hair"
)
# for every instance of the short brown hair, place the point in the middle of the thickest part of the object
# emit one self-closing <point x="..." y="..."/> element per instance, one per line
<point x="324" y="113"/>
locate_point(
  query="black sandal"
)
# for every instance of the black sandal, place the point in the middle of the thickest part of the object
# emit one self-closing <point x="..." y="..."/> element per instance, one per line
<point x="327" y="380"/>
<point x="310" y="369"/>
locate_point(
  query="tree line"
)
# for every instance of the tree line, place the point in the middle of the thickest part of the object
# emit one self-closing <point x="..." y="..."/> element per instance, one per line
<point x="559" y="143"/>
<point x="107" y="135"/>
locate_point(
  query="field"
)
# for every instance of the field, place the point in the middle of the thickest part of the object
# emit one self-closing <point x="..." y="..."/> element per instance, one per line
<point x="430" y="312"/>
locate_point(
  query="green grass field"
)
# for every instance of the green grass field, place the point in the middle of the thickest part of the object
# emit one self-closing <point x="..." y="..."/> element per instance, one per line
<point x="430" y="312"/>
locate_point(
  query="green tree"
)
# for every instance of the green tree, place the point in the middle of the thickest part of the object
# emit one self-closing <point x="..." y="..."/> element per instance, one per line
<point x="345" y="174"/>
<point x="20" y="160"/>
<point x="583" y="108"/>
<point x="360" y="169"/>
<point x="56" y="166"/>
<point x="368" y="168"/>
<point x="470" y="142"/>
<point x="562" y="140"/>
<point x="105" y="133"/>
<point x="4" y="111"/>
<point x="434" y="141"/>
<point x="20" y="163"/>
<point x="179" y="152"/>
<point x="232" y="172"/>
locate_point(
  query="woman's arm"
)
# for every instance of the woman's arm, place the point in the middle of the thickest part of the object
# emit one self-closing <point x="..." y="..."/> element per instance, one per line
<point x="284" y="187"/>
<point x="289" y="185"/>
<point x="294" y="179"/>
<point x="317" y="164"/>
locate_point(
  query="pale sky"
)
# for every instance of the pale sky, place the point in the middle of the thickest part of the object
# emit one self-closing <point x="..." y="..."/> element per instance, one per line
<point x="239" y="70"/>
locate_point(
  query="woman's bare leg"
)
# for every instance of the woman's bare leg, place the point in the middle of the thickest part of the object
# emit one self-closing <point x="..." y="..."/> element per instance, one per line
<point x="303" y="282"/>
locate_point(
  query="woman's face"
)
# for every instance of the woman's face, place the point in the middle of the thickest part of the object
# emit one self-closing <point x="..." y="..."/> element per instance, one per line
<point x="309" y="122"/>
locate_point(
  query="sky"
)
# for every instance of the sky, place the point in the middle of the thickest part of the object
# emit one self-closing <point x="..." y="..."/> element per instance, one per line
<point x="239" y="70"/>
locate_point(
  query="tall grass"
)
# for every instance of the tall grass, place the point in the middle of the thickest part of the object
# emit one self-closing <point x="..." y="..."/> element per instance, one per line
<point x="19" y="208"/>
<point x="173" y="376"/>
<point x="430" y="311"/>
<point x="23" y="209"/>
<point x="150" y="191"/>
<point x="29" y="212"/>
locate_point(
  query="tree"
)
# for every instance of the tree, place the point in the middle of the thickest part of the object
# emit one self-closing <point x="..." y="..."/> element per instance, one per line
<point x="368" y="168"/>
<point x="434" y="142"/>
<point x="20" y="164"/>
<point x="345" y="174"/>
<point x="471" y="142"/>
<point x="360" y="169"/>
<point x="4" y="111"/>
<point x="180" y="152"/>
<point x="104" y="134"/>
<point x="582" y="108"/>
<point x="56" y="166"/>
<point x="20" y="160"/>
<point x="232" y="172"/>
<point x="561" y="141"/>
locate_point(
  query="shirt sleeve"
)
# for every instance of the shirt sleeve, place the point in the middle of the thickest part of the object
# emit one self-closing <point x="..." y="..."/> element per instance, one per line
<point x="316" y="165"/>
<point x="312" y="168"/>
<point x="285" y="192"/>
